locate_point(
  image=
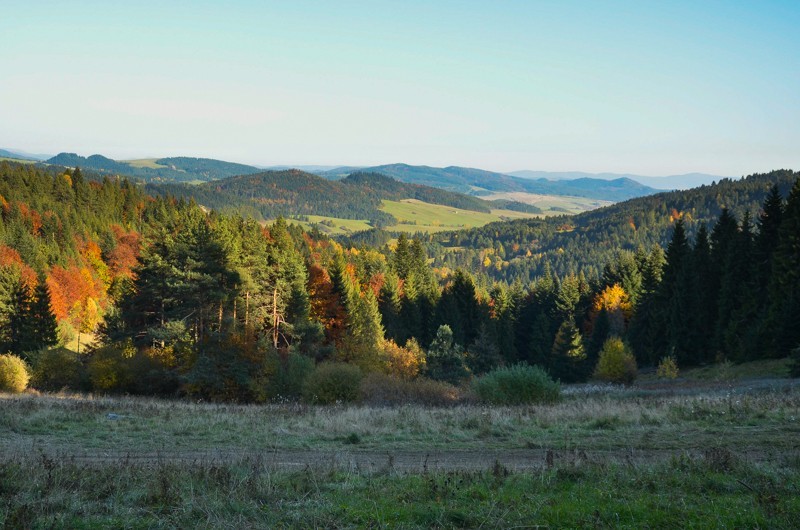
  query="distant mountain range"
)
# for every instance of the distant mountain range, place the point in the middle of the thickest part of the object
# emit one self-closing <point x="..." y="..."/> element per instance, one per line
<point x="480" y="182"/>
<point x="671" y="182"/>
<point x="170" y="169"/>
<point x="470" y="181"/>
<point x="22" y="155"/>
<point x="454" y="178"/>
<point x="269" y="194"/>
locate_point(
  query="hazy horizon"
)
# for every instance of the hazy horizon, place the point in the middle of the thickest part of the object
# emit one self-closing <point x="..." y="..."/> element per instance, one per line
<point x="621" y="87"/>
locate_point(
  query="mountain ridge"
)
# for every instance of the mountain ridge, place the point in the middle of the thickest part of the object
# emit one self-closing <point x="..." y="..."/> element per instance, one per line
<point x="666" y="183"/>
<point x="482" y="182"/>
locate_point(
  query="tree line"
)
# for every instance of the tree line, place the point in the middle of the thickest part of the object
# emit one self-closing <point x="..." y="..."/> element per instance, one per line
<point x="222" y="307"/>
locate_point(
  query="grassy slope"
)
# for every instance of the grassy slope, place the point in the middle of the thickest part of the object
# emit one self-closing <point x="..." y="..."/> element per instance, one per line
<point x="416" y="216"/>
<point x="144" y="163"/>
<point x="547" y="203"/>
<point x="17" y="160"/>
<point x="428" y="218"/>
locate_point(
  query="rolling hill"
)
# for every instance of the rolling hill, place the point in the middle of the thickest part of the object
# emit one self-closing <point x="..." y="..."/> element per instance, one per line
<point x="671" y="182"/>
<point x="463" y="180"/>
<point x="485" y="183"/>
<point x="585" y="241"/>
<point x="170" y="169"/>
<point x="294" y="193"/>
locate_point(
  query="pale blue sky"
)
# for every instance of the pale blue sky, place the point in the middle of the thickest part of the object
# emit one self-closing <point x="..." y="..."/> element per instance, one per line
<point x="645" y="87"/>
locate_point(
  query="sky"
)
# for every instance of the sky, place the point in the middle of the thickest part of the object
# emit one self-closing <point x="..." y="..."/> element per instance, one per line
<point x="651" y="88"/>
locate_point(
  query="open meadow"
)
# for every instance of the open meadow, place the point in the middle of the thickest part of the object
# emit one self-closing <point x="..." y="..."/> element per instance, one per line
<point x="685" y="453"/>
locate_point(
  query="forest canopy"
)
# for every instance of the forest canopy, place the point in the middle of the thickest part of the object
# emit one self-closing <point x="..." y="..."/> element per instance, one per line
<point x="163" y="297"/>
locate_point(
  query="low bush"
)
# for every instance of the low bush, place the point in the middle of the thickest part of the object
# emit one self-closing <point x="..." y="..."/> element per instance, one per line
<point x="57" y="369"/>
<point x="333" y="383"/>
<point x="404" y="362"/>
<point x="282" y="378"/>
<point x="14" y="375"/>
<point x="667" y="368"/>
<point x="514" y="385"/>
<point x="382" y="390"/>
<point x="616" y="363"/>
<point x="110" y="367"/>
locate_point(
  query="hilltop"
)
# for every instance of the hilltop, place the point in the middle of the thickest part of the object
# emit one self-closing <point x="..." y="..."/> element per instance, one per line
<point x="486" y="183"/>
<point x="170" y="169"/>
<point x="670" y="182"/>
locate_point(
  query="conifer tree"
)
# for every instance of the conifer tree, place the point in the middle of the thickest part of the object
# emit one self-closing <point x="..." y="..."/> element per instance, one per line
<point x="568" y="356"/>
<point x="483" y="355"/>
<point x="769" y="221"/>
<point x="738" y="297"/>
<point x="459" y="308"/>
<point x="20" y="324"/>
<point x="675" y="299"/>
<point x="702" y="299"/>
<point x="723" y="243"/>
<point x="43" y="320"/>
<point x="446" y="361"/>
<point x="391" y="305"/>
<point x="784" y="287"/>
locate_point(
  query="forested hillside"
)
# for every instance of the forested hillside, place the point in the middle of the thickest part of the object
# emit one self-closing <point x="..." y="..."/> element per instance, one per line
<point x="479" y="181"/>
<point x="189" y="302"/>
<point x="172" y="169"/>
<point x="270" y="194"/>
<point x="79" y="237"/>
<point x="520" y="250"/>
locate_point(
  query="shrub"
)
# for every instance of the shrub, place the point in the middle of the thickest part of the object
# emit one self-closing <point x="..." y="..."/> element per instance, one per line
<point x="333" y="383"/>
<point x="109" y="367"/>
<point x="446" y="361"/>
<point x="13" y="374"/>
<point x="382" y="389"/>
<point x="152" y="371"/>
<point x="56" y="369"/>
<point x="404" y="362"/>
<point x="282" y="378"/>
<point x="667" y="368"/>
<point x="518" y="384"/>
<point x="616" y="363"/>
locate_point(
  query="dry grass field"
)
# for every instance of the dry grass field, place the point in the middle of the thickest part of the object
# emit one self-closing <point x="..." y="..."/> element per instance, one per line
<point x="692" y="452"/>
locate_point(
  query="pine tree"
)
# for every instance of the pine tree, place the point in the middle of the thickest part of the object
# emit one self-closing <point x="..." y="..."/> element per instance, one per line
<point x="43" y="320"/>
<point x="391" y="305"/>
<point x="723" y="243"/>
<point x="705" y="315"/>
<point x="784" y="287"/>
<point x="568" y="356"/>
<point x="20" y="324"/>
<point x="446" y="361"/>
<point x="459" y="308"/>
<point x="739" y="299"/>
<point x="769" y="221"/>
<point x="483" y="355"/>
<point x="624" y="271"/>
<point x="675" y="300"/>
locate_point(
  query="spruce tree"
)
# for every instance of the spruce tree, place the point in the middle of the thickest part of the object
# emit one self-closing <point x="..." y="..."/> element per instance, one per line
<point x="723" y="245"/>
<point x="21" y="328"/>
<point x="483" y="355"/>
<point x="769" y="221"/>
<point x="567" y="360"/>
<point x="784" y="288"/>
<point x="446" y="360"/>
<point x="43" y="320"/>
<point x="702" y="299"/>
<point x="737" y="326"/>
<point x="675" y="304"/>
